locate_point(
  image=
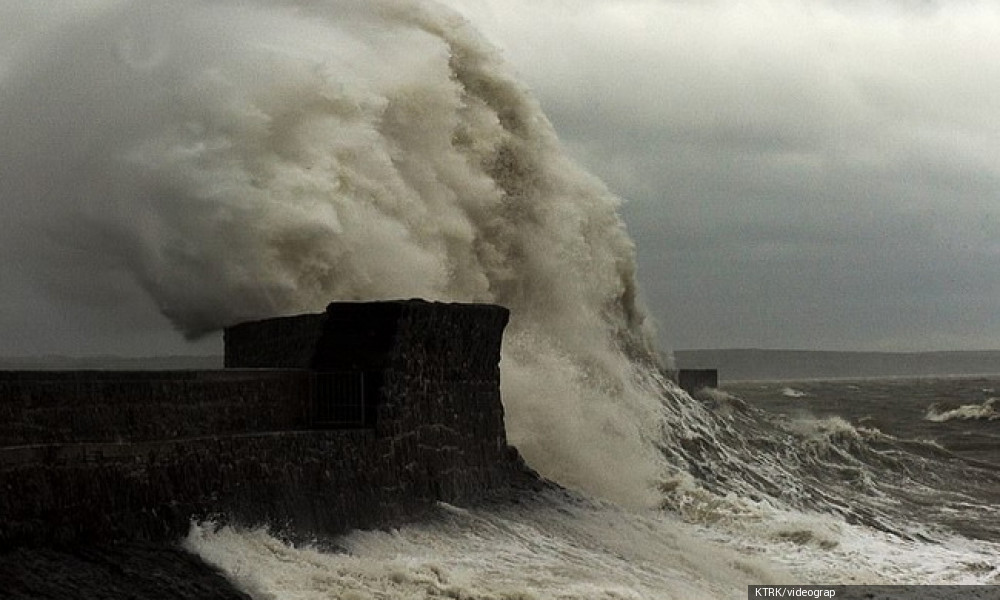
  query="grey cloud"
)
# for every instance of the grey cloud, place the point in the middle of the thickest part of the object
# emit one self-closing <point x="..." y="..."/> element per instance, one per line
<point x="807" y="174"/>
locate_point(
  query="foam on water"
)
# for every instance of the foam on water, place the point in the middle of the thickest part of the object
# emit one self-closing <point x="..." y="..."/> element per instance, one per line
<point x="569" y="548"/>
<point x="554" y="548"/>
<point x="823" y="550"/>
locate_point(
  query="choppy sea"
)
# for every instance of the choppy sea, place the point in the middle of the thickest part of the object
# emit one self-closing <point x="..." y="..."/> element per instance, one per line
<point x="891" y="481"/>
<point x="944" y="432"/>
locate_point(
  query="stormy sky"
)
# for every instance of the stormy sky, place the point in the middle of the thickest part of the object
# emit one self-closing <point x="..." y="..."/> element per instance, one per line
<point x="797" y="174"/>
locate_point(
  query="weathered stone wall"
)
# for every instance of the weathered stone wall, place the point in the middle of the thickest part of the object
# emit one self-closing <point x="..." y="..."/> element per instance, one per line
<point x="47" y="407"/>
<point x="284" y="343"/>
<point x="442" y="385"/>
<point x="123" y="456"/>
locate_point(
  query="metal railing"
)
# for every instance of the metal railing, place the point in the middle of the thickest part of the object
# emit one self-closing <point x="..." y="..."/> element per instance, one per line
<point x="343" y="399"/>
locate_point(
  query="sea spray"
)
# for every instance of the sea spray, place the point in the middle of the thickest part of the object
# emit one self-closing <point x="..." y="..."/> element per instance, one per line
<point x="243" y="160"/>
<point x="250" y="159"/>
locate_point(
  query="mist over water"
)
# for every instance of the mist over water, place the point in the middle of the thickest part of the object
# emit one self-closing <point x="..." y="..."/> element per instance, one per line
<point x="240" y="160"/>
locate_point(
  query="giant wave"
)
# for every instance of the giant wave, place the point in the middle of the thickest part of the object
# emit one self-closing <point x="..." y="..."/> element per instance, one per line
<point x="241" y="160"/>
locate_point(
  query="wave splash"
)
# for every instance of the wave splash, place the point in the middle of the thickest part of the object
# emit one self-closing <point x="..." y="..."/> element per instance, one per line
<point x="541" y="551"/>
<point x="242" y="160"/>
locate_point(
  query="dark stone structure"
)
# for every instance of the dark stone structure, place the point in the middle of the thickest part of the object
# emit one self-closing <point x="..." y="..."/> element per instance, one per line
<point x="361" y="416"/>
<point x="694" y="380"/>
<point x="44" y="408"/>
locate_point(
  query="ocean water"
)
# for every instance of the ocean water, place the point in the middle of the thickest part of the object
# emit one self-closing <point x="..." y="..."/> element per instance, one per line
<point x="241" y="159"/>
<point x="841" y="481"/>
<point x="945" y="431"/>
<point x="961" y="413"/>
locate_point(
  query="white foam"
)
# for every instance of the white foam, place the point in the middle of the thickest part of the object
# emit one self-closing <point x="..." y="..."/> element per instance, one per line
<point x="562" y="550"/>
<point x="574" y="550"/>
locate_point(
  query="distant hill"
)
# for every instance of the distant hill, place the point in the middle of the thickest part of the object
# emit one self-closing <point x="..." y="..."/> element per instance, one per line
<point x="743" y="364"/>
<point x="111" y="363"/>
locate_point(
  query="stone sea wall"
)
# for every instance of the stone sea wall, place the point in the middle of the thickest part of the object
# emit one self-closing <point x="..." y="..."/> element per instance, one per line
<point x="66" y="407"/>
<point x="97" y="457"/>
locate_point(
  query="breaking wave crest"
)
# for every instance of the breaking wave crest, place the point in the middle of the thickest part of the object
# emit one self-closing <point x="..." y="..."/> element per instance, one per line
<point x="989" y="410"/>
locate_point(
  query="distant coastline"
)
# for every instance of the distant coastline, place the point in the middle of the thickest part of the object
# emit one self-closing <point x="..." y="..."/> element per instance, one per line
<point x="109" y="362"/>
<point x="741" y="364"/>
<point x="734" y="364"/>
